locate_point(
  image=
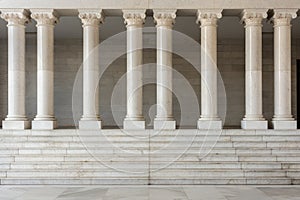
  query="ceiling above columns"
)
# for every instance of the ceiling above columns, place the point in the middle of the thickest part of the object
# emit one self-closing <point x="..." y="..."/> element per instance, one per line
<point x="114" y="7"/>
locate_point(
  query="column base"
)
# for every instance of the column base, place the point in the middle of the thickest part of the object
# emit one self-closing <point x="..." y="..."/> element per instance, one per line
<point x="284" y="124"/>
<point x="134" y="125"/>
<point x="89" y="125"/>
<point x="164" y="124"/>
<point x="254" y="124"/>
<point x="43" y="125"/>
<point x="15" y="125"/>
<point x="209" y="124"/>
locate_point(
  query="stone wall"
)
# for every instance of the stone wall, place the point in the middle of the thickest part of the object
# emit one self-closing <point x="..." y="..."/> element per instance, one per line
<point x="68" y="58"/>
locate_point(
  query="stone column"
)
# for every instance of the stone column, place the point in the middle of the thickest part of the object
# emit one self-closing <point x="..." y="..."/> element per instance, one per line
<point x="209" y="93"/>
<point x="46" y="19"/>
<point x="253" y="71"/>
<point x="90" y="20"/>
<point x="283" y="118"/>
<point x="134" y="20"/>
<point x="164" y="22"/>
<point x="16" y="118"/>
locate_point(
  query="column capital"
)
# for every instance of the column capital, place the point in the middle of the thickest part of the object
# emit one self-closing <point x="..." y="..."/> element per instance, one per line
<point x="208" y="17"/>
<point x="91" y="17"/>
<point x="15" y="16"/>
<point x="44" y="16"/>
<point x="164" y="17"/>
<point x="283" y="17"/>
<point x="253" y="17"/>
<point x="134" y="17"/>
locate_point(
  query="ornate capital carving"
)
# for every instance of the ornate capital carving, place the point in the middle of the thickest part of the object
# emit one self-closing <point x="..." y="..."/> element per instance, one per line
<point x="283" y="17"/>
<point x="134" y="17"/>
<point x="253" y="17"/>
<point x="208" y="17"/>
<point x="91" y="17"/>
<point x="44" y="16"/>
<point x="15" y="16"/>
<point x="164" y="17"/>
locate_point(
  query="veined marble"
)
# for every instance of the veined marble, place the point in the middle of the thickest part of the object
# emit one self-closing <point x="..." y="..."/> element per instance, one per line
<point x="149" y="192"/>
<point x="127" y="157"/>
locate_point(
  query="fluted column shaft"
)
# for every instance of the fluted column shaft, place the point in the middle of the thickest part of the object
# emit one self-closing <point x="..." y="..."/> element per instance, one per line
<point x="209" y="95"/>
<point x="90" y="20"/>
<point x="253" y="69"/>
<point x="134" y="20"/>
<point x="46" y="19"/>
<point x="16" y="118"/>
<point x="283" y="118"/>
<point x="164" y="22"/>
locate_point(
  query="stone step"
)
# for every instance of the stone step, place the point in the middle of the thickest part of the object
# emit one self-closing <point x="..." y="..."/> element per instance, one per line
<point x="151" y="132"/>
<point x="154" y="165"/>
<point x="83" y="158"/>
<point x="292" y="165"/>
<point x="78" y="150"/>
<point x="257" y="159"/>
<point x="216" y="165"/>
<point x="159" y="139"/>
<point x="242" y="138"/>
<point x="6" y="159"/>
<point x="261" y="165"/>
<point x="150" y="157"/>
<point x="3" y="174"/>
<point x="75" y="181"/>
<point x="153" y="157"/>
<point x="73" y="144"/>
<point x="283" y="144"/>
<point x="141" y="181"/>
<point x="243" y="154"/>
<point x="80" y="166"/>
<point x="74" y="174"/>
<point x="161" y="153"/>
<point x="193" y="152"/>
<point x="137" y="144"/>
<point x="293" y="174"/>
<point x="271" y="132"/>
<point x="250" y="144"/>
<point x="223" y="181"/>
<point x="217" y="173"/>
<point x="102" y="138"/>
<point x="109" y="158"/>
<point x="152" y="135"/>
<point x="129" y="157"/>
<point x="5" y="166"/>
<point x="161" y="173"/>
<point x="279" y="151"/>
<point x="293" y="158"/>
<point x="264" y="138"/>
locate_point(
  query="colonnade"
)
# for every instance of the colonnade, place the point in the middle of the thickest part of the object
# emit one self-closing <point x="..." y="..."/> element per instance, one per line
<point x="134" y="19"/>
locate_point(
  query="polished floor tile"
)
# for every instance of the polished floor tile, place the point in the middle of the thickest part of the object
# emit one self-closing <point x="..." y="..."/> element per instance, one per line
<point x="149" y="192"/>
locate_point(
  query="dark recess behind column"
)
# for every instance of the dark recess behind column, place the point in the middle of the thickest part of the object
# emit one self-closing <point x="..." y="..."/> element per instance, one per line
<point x="298" y="93"/>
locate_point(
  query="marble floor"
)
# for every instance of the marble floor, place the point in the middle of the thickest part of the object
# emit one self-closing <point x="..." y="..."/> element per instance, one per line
<point x="150" y="192"/>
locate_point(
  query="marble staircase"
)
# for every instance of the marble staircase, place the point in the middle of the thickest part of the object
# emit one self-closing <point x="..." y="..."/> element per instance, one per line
<point x="230" y="156"/>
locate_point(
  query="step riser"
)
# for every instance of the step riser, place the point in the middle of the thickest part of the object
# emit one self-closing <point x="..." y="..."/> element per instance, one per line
<point x="171" y="157"/>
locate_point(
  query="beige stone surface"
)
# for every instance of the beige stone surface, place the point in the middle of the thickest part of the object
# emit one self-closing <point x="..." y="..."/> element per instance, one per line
<point x="149" y="4"/>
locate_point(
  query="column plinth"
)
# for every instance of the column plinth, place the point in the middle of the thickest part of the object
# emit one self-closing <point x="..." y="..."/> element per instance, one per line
<point x="283" y="118"/>
<point x="253" y="118"/>
<point x="91" y="20"/>
<point x="16" y="117"/>
<point x="46" y="19"/>
<point x="134" y="20"/>
<point x="209" y="118"/>
<point x="164" y="119"/>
